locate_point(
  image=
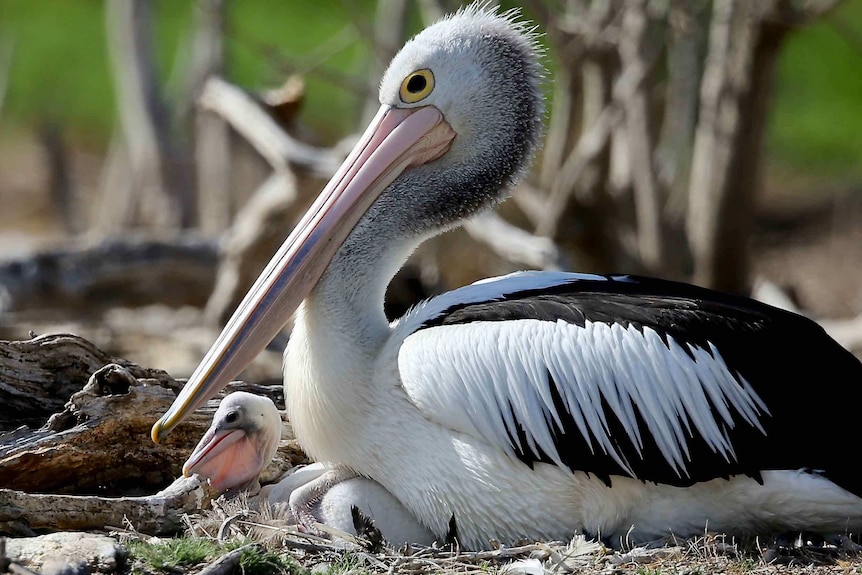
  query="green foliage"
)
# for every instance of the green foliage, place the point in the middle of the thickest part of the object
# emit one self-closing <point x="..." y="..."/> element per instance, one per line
<point x="61" y="67"/>
<point x="747" y="564"/>
<point x="816" y="120"/>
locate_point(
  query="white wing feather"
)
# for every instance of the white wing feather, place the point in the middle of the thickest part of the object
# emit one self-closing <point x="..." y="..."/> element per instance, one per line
<point x="486" y="379"/>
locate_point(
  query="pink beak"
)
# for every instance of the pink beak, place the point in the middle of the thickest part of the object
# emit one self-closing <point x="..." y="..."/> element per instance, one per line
<point x="396" y="140"/>
<point x="227" y="458"/>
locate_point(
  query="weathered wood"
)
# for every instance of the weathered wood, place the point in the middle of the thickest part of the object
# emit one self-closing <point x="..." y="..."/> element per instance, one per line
<point x="128" y="271"/>
<point x="159" y="514"/>
<point x="100" y="442"/>
<point x="39" y="375"/>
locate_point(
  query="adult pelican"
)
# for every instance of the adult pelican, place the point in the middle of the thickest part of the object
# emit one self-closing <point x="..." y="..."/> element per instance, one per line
<point x="534" y="405"/>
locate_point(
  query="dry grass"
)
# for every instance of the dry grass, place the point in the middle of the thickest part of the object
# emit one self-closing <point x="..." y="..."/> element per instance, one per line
<point x="279" y="548"/>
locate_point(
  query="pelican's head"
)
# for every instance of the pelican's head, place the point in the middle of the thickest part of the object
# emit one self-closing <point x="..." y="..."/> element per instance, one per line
<point x="460" y="118"/>
<point x="240" y="442"/>
<point x="481" y="72"/>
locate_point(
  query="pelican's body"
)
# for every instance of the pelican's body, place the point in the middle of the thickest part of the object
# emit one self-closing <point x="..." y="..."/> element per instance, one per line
<point x="535" y="405"/>
<point x="409" y="415"/>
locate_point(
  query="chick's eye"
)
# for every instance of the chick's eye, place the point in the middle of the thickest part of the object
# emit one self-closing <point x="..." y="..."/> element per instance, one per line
<point x="417" y="86"/>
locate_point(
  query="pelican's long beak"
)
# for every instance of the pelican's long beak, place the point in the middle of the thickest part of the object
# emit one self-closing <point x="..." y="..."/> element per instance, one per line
<point x="396" y="140"/>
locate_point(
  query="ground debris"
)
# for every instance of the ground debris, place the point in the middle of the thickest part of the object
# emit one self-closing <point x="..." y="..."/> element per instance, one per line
<point x="67" y="552"/>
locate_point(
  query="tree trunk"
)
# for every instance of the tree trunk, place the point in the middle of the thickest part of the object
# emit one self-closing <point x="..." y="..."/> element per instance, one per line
<point x="212" y="133"/>
<point x="157" y="166"/>
<point x="737" y="84"/>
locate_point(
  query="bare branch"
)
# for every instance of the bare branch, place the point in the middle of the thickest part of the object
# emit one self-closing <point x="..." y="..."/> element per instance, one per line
<point x="531" y="201"/>
<point x="514" y="244"/>
<point x="591" y="145"/>
<point x="847" y="332"/>
<point x="563" y="115"/>
<point x="212" y="135"/>
<point x="259" y="229"/>
<point x="261" y="131"/>
<point x="687" y="28"/>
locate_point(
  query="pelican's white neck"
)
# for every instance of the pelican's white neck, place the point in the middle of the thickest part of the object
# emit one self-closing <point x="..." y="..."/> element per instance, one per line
<point x="348" y="299"/>
<point x="338" y="333"/>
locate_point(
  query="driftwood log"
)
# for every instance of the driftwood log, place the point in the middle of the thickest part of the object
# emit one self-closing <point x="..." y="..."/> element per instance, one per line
<point x="38" y="376"/>
<point x="23" y="513"/>
<point x="120" y="271"/>
<point x="97" y="444"/>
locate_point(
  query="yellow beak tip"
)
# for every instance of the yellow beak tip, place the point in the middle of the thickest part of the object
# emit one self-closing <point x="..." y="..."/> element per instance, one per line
<point x="157" y="433"/>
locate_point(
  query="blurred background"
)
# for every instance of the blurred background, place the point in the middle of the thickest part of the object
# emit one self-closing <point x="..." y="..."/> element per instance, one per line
<point x="154" y="154"/>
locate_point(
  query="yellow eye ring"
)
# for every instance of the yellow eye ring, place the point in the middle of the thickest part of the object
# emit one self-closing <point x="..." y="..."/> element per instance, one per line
<point x="417" y="86"/>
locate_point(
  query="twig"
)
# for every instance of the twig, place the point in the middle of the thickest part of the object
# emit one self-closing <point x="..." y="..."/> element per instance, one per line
<point x="228" y="522"/>
<point x="227" y="563"/>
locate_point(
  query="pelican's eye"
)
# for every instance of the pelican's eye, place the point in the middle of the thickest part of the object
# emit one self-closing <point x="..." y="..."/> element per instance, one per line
<point x="231" y="417"/>
<point x="417" y="86"/>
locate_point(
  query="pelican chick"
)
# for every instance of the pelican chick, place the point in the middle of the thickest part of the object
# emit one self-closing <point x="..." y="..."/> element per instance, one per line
<point x="239" y="444"/>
